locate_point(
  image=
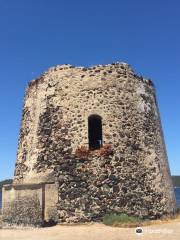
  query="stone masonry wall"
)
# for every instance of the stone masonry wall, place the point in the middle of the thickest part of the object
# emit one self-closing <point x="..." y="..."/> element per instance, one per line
<point x="22" y="205"/>
<point x="29" y="204"/>
<point x="130" y="173"/>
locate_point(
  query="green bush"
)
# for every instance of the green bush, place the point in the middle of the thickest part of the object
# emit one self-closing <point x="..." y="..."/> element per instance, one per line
<point x="114" y="219"/>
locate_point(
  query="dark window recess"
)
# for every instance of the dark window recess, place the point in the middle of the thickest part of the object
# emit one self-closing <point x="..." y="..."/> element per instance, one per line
<point x="95" y="132"/>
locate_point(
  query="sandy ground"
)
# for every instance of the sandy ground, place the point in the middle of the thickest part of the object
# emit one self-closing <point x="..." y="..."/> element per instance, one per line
<point x="96" y="231"/>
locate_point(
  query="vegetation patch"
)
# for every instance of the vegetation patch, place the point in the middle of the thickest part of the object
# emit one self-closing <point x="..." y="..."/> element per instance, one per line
<point x="176" y="181"/>
<point x="122" y="219"/>
<point x="7" y="181"/>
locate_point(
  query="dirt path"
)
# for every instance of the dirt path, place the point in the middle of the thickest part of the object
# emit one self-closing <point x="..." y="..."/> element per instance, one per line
<point x="167" y="231"/>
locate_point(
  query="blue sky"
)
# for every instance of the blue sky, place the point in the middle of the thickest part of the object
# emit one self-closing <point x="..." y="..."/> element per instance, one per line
<point x="37" y="34"/>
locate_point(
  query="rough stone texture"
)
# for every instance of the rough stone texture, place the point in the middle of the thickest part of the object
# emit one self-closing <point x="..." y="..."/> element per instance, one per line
<point x="130" y="173"/>
<point x="23" y="211"/>
<point x="29" y="204"/>
<point x="50" y="203"/>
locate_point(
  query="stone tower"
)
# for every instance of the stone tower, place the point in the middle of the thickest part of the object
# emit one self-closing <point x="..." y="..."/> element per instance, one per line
<point x="95" y="135"/>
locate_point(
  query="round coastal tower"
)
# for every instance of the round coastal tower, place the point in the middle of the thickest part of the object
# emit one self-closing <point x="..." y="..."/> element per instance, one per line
<point x="96" y="132"/>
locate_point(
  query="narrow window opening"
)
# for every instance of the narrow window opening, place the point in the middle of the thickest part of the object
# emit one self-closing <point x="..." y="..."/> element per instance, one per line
<point x="95" y="132"/>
